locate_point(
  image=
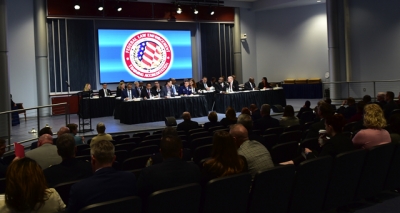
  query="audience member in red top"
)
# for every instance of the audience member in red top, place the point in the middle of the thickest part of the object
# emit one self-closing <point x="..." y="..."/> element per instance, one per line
<point x="374" y="134"/>
<point x="359" y="114"/>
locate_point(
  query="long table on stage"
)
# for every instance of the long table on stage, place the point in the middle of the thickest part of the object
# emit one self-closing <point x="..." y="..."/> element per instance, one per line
<point x="134" y="112"/>
<point x="239" y="100"/>
<point x="97" y="107"/>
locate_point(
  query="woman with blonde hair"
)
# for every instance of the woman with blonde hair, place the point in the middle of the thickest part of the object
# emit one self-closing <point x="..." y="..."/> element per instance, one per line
<point x="26" y="190"/>
<point x="87" y="88"/>
<point x="375" y="134"/>
<point x="120" y="88"/>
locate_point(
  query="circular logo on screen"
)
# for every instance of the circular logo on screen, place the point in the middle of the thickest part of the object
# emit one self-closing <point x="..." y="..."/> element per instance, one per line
<point x="147" y="55"/>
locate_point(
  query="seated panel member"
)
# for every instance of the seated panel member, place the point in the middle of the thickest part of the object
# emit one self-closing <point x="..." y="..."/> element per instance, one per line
<point x="104" y="92"/>
<point x="129" y="93"/>
<point x="250" y="85"/>
<point x="193" y="85"/>
<point x="264" y="84"/>
<point x="220" y="86"/>
<point x="167" y="90"/>
<point x="146" y="92"/>
<point x="185" y="89"/>
<point x="120" y="88"/>
<point x="156" y="90"/>
<point x="231" y="85"/>
<point x="137" y="88"/>
<point x="204" y="84"/>
<point x="87" y="91"/>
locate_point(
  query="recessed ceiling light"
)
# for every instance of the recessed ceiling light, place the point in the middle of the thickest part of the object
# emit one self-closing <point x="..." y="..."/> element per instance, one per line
<point x="77" y="7"/>
<point x="318" y="1"/>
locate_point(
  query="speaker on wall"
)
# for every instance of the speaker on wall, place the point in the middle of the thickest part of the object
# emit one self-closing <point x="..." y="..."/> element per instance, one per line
<point x="170" y="121"/>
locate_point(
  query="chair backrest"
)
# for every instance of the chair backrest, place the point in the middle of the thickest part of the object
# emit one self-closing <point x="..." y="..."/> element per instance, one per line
<point x="158" y="132"/>
<point x="198" y="135"/>
<point x="150" y="137"/>
<point x="284" y="152"/>
<point x="271" y="190"/>
<point x="202" y="152"/>
<point x="201" y="142"/>
<point x="256" y="131"/>
<point x="293" y="128"/>
<point x="183" y="137"/>
<point x="135" y="163"/>
<point x="63" y="190"/>
<point x="308" y="125"/>
<point x="395" y="111"/>
<point x="129" y="140"/>
<point x="117" y="138"/>
<point x="179" y="199"/>
<point x="307" y="117"/>
<point x="82" y="147"/>
<point x="33" y="145"/>
<point x="311" y="179"/>
<point x="125" y="146"/>
<point x="145" y="150"/>
<point x="311" y="143"/>
<point x="290" y="136"/>
<point x="8" y="157"/>
<point x="2" y="185"/>
<point x="375" y="170"/>
<point x="270" y="141"/>
<point x="192" y="131"/>
<point x="349" y="127"/>
<point x="227" y="194"/>
<point x="152" y="142"/>
<point x="393" y="177"/>
<point x="212" y="129"/>
<point x="141" y="134"/>
<point x="121" y="155"/>
<point x="132" y="204"/>
<point x="345" y="174"/>
<point x="83" y="152"/>
<point x="87" y="158"/>
<point x="274" y="130"/>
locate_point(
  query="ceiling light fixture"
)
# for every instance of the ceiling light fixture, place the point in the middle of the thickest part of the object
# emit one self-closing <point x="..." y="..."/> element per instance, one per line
<point x="211" y="11"/>
<point x="195" y="11"/>
<point x="179" y="9"/>
<point x="77" y="6"/>
<point x="101" y="6"/>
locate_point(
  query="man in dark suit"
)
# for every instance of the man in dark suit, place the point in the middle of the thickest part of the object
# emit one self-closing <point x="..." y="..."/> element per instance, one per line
<point x="172" y="172"/>
<point x="146" y="92"/>
<point x="390" y="105"/>
<point x="156" y="89"/>
<point x="104" y="92"/>
<point x="250" y="85"/>
<point x="380" y="99"/>
<point x="129" y="93"/>
<point x="137" y="88"/>
<point x="266" y="121"/>
<point x="187" y="123"/>
<point x="220" y="86"/>
<point x="324" y="110"/>
<point x="70" y="169"/>
<point x="255" y="112"/>
<point x="106" y="183"/>
<point x="204" y="84"/>
<point x="235" y="82"/>
<point x="185" y="89"/>
<point x="232" y="86"/>
<point x="348" y="111"/>
<point x="213" y="118"/>
<point x="167" y="90"/>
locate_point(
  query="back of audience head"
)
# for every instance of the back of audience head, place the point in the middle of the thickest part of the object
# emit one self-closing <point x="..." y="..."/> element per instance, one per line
<point x="46" y="138"/>
<point x="213" y="117"/>
<point x="66" y="146"/>
<point x="289" y="111"/>
<point x="63" y="130"/>
<point x="101" y="128"/>
<point x="169" y="131"/>
<point x="239" y="133"/>
<point x="351" y="101"/>
<point x="336" y="122"/>
<point x="25" y="186"/>
<point x="360" y="106"/>
<point x="186" y="116"/>
<point x="324" y="110"/>
<point x="103" y="154"/>
<point x="253" y="107"/>
<point x="367" y="99"/>
<point x="380" y="96"/>
<point x="265" y="110"/>
<point x="45" y="130"/>
<point x="246" y="121"/>
<point x="171" y="147"/>
<point x="3" y="146"/>
<point x="328" y="101"/>
<point x="230" y="113"/>
<point x="307" y="104"/>
<point x="245" y="110"/>
<point x="389" y="96"/>
<point x="73" y="128"/>
<point x="395" y="123"/>
<point x="373" y="117"/>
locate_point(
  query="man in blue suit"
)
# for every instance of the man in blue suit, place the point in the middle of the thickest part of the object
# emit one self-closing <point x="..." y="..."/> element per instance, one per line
<point x="185" y="89"/>
<point x="167" y="90"/>
<point x="106" y="183"/>
<point x="129" y="93"/>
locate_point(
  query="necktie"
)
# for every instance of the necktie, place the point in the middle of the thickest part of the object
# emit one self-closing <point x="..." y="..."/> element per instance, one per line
<point x="105" y="93"/>
<point x="129" y="94"/>
<point x="231" y="87"/>
<point x="251" y="84"/>
<point x="205" y="85"/>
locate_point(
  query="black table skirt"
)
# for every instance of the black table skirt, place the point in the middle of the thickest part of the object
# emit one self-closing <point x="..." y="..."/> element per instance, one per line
<point x="96" y="108"/>
<point x="244" y="99"/>
<point x="210" y="97"/>
<point x="303" y="91"/>
<point x="135" y="112"/>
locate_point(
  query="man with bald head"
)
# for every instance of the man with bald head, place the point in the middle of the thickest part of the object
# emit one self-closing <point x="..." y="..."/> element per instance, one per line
<point x="46" y="153"/>
<point x="250" y="85"/>
<point x="61" y="131"/>
<point x="187" y="123"/>
<point x="257" y="156"/>
<point x="266" y="121"/>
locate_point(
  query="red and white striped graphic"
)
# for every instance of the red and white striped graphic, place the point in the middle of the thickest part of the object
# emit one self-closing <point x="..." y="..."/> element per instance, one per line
<point x="150" y="55"/>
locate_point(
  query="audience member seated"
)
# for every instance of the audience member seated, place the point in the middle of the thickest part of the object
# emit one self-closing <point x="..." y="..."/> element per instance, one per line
<point x="224" y="160"/>
<point x="367" y="99"/>
<point x="305" y="108"/>
<point x="172" y="172"/>
<point x="187" y="123"/>
<point x="105" y="184"/>
<point x="329" y="101"/>
<point x="390" y="105"/>
<point x="374" y="134"/>
<point x="45" y="130"/>
<point x="257" y="156"/>
<point x="348" y="111"/>
<point x="246" y="111"/>
<point x="213" y="118"/>
<point x="101" y="136"/>
<point x="69" y="169"/>
<point x="255" y="112"/>
<point x="3" y="165"/>
<point x="359" y="114"/>
<point x="380" y="99"/>
<point x="246" y="121"/>
<point x="336" y="143"/>
<point x="264" y="84"/>
<point x="250" y="85"/>
<point x="46" y="153"/>
<point x="26" y="190"/>
<point x="61" y="131"/>
<point x="288" y="118"/>
<point x="323" y="111"/>
<point x="266" y="121"/>
<point x="73" y="128"/>
<point x="120" y="88"/>
<point x="157" y="158"/>
<point x="230" y="117"/>
<point x="395" y="128"/>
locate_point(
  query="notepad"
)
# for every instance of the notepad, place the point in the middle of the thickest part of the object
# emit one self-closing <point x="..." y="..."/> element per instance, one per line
<point x="19" y="150"/>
